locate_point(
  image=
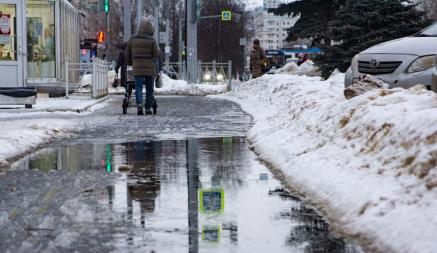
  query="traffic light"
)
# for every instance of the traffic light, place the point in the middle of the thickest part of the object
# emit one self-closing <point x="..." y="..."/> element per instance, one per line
<point x="198" y="8"/>
<point x="100" y="37"/>
<point x="106" y="6"/>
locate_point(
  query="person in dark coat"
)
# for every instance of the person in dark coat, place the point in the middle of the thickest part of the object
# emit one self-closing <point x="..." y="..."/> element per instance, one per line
<point x="141" y="53"/>
<point x="302" y="58"/>
<point x="121" y="64"/>
<point x="258" y="58"/>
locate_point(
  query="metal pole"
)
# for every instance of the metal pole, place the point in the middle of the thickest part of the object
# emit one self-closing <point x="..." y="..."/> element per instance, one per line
<point x="94" y="78"/>
<point x="167" y="45"/>
<point x="214" y="72"/>
<point x="199" y="71"/>
<point x="191" y="41"/>
<point x="66" y="77"/>
<point x="139" y="13"/>
<point x="229" y="75"/>
<point x="127" y="26"/>
<point x="156" y="19"/>
<point x="181" y="46"/>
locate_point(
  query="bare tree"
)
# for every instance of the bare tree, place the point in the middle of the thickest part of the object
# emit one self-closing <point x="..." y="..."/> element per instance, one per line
<point x="220" y="40"/>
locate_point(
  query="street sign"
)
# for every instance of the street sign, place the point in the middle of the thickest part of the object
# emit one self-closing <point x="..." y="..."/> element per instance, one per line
<point x="226" y="15"/>
<point x="211" y="200"/>
<point x="163" y="38"/>
<point x="167" y="49"/>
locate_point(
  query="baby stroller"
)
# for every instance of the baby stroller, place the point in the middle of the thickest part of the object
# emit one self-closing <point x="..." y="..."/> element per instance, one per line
<point x="129" y="86"/>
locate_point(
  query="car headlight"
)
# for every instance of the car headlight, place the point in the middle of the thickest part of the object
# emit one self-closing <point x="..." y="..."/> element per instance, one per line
<point x="422" y="63"/>
<point x="207" y="77"/>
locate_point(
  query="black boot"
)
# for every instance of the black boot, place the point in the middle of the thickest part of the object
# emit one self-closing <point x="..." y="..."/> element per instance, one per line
<point x="140" y="110"/>
<point x="148" y="111"/>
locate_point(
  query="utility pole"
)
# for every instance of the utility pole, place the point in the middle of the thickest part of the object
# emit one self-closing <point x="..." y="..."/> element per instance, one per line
<point x="127" y="26"/>
<point x="191" y="41"/>
<point x="139" y="13"/>
<point x="167" y="43"/>
<point x="156" y="20"/>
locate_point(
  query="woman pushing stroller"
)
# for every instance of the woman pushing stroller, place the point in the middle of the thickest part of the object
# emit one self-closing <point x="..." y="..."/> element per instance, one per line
<point x="142" y="53"/>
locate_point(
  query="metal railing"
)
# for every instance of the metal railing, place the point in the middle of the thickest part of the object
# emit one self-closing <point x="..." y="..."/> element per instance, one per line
<point x="76" y="72"/>
<point x="215" y="73"/>
<point x="175" y="70"/>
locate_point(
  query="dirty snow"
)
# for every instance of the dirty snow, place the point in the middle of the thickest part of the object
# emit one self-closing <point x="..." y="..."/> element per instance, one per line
<point x="370" y="161"/>
<point x="307" y="68"/>
<point x="25" y="129"/>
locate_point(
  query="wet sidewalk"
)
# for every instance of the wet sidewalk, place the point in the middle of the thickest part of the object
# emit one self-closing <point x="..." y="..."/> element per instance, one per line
<point x="195" y="195"/>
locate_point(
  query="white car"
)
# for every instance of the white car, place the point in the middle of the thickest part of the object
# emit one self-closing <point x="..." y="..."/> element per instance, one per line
<point x="402" y="62"/>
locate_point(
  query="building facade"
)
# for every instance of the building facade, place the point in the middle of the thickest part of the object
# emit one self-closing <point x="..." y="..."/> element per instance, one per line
<point x="36" y="36"/>
<point x="272" y="30"/>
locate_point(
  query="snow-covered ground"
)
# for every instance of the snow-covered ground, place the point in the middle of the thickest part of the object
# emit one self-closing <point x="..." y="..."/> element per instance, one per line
<point x="371" y="161"/>
<point x="25" y="129"/>
<point x="169" y="87"/>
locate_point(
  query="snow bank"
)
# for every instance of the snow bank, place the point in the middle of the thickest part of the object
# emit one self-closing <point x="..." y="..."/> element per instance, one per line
<point x="371" y="161"/>
<point x="180" y="87"/>
<point x="19" y="136"/>
<point x="307" y="68"/>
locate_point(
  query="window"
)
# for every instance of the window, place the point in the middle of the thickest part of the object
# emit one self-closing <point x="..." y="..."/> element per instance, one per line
<point x="8" y="36"/>
<point x="40" y="38"/>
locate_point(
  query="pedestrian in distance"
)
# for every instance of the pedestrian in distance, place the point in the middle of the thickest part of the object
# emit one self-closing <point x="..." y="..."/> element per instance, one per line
<point x="121" y="65"/>
<point x="301" y="58"/>
<point x="141" y="53"/>
<point x="258" y="60"/>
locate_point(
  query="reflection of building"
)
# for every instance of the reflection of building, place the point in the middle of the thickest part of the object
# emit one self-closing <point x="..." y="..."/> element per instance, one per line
<point x="42" y="33"/>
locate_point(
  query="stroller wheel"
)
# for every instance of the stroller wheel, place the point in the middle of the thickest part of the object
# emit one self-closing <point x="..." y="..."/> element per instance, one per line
<point x="125" y="105"/>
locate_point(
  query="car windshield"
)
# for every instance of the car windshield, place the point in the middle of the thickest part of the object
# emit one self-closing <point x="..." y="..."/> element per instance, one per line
<point x="430" y="31"/>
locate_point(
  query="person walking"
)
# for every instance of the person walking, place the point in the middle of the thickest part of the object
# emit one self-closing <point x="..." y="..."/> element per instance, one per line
<point x="258" y="59"/>
<point x="302" y="58"/>
<point x="141" y="53"/>
<point x="121" y="65"/>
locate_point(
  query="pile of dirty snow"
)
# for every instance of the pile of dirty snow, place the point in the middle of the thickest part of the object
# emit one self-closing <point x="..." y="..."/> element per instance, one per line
<point x="24" y="135"/>
<point x="181" y="87"/>
<point x="370" y="161"/>
<point x="307" y="68"/>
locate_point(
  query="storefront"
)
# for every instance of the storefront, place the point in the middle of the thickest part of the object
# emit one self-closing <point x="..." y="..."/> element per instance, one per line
<point x="36" y="36"/>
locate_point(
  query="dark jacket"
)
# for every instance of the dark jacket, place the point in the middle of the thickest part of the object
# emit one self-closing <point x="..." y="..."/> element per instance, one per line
<point x="142" y="51"/>
<point x="258" y="57"/>
<point x="121" y="63"/>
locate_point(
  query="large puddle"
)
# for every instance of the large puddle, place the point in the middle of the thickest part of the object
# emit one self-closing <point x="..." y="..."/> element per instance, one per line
<point x="197" y="195"/>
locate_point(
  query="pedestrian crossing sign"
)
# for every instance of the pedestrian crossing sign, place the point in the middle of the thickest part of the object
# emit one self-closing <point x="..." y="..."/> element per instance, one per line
<point x="226" y="15"/>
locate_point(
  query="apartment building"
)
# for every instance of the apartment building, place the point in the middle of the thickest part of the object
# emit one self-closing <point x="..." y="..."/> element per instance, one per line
<point x="271" y="30"/>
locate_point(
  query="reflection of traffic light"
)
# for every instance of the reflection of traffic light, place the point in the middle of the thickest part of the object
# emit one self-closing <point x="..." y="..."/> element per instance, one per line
<point x="100" y="37"/>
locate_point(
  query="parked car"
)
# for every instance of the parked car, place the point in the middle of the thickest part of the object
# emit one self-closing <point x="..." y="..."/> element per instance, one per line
<point x="403" y="62"/>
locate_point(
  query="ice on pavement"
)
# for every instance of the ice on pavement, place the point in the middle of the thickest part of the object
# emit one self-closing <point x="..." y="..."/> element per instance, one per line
<point x="371" y="161"/>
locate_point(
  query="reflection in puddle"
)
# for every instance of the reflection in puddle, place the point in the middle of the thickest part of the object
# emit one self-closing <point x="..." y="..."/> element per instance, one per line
<point x="197" y="195"/>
